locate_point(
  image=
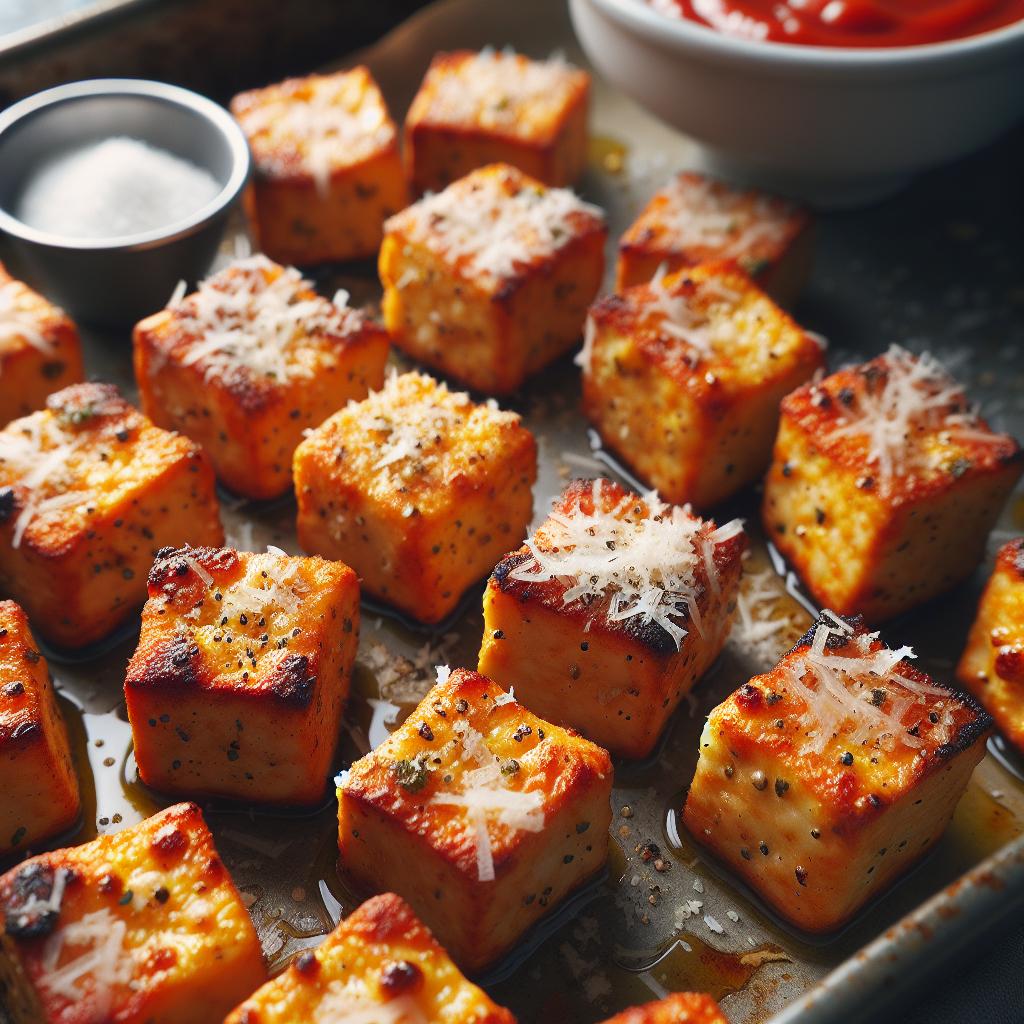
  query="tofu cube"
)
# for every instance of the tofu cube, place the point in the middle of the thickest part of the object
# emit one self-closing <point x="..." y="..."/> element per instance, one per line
<point x="241" y="674"/>
<point x="40" y="351"/>
<point x="610" y="612"/>
<point x="683" y="377"/>
<point x="992" y="665"/>
<point x="481" y="815"/>
<point x="327" y="171"/>
<point x="381" y="956"/>
<point x="887" y="463"/>
<point x="695" y="219"/>
<point x="678" y="1008"/>
<point x="40" y="787"/>
<point x="90" y="490"/>
<point x="490" y="280"/>
<point x="494" y="106"/>
<point x="824" y="780"/>
<point x="143" y="927"/>
<point x="251" y="361"/>
<point x="418" y="489"/>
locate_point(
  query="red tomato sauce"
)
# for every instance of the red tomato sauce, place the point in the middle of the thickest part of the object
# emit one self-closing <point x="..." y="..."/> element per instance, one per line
<point x="848" y="22"/>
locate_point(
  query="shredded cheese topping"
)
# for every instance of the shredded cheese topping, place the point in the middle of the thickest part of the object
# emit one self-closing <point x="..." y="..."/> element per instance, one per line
<point x="861" y="694"/>
<point x="251" y="316"/>
<point x="18" y="321"/>
<point x="752" y="600"/>
<point x="492" y="223"/>
<point x="485" y="797"/>
<point x="643" y="557"/>
<point x="901" y="407"/>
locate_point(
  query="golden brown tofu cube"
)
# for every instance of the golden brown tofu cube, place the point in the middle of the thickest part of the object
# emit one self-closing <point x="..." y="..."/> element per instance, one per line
<point x="887" y="464"/>
<point x="992" y="665"/>
<point x="327" y="168"/>
<point x="696" y="219"/>
<point x="90" y="490"/>
<point x="822" y="781"/>
<point x="417" y="488"/>
<point x="678" y="1008"/>
<point x="142" y="927"/>
<point x="40" y="351"/>
<point x="241" y="674"/>
<point x="493" y="106"/>
<point x="250" y="362"/>
<point x="490" y="280"/>
<point x="381" y="956"/>
<point x="610" y="612"/>
<point x="683" y="377"/>
<point x="40" y="788"/>
<point x="480" y="814"/>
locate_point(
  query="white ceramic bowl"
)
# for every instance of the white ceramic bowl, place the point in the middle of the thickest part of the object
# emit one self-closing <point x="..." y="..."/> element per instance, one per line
<point x="836" y="126"/>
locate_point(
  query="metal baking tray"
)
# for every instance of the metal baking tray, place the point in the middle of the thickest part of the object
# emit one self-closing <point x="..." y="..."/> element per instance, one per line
<point x="937" y="267"/>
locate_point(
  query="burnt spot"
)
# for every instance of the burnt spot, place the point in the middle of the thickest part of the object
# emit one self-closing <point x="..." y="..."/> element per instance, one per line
<point x="30" y="907"/>
<point x="172" y="664"/>
<point x="291" y="681"/>
<point x="508" y="565"/>
<point x="836" y="640"/>
<point x="172" y="567"/>
<point x="401" y="978"/>
<point x="8" y="503"/>
<point x="748" y="697"/>
<point x="170" y="842"/>
<point x="307" y="964"/>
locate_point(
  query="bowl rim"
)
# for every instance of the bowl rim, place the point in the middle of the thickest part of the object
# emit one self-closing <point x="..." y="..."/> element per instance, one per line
<point x="661" y="28"/>
<point x="159" y="92"/>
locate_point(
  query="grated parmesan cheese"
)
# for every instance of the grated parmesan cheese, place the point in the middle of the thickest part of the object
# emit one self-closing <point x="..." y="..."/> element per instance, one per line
<point x="251" y="316"/>
<point x="19" y="321"/>
<point x="643" y="557"/>
<point x="491" y="223"/>
<point x="838" y="691"/>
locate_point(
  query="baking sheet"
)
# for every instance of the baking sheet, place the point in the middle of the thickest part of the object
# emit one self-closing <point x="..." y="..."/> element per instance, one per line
<point x="938" y="266"/>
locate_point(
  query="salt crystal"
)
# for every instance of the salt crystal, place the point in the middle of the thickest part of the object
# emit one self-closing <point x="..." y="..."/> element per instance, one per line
<point x="112" y="188"/>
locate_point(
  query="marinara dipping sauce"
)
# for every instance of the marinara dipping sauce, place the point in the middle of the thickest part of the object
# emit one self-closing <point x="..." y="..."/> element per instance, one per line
<point x="848" y="22"/>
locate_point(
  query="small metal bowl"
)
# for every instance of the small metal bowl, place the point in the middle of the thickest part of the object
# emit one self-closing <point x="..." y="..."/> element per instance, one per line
<point x="116" y="281"/>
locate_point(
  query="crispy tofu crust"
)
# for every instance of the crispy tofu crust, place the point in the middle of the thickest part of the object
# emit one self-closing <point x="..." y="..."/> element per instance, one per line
<point x="678" y="1008"/>
<point x="616" y="680"/>
<point x="695" y="421"/>
<point x="402" y="826"/>
<point x="817" y="810"/>
<point x="474" y="109"/>
<point x="905" y="536"/>
<point x="143" y="927"/>
<point x="490" y="280"/>
<point x="380" y="954"/>
<point x="419" y="489"/>
<point x="328" y="169"/>
<point x="248" y="418"/>
<point x="41" y="795"/>
<point x="695" y="219"/>
<point x="40" y="351"/>
<point x="992" y="665"/>
<point x="90" y="489"/>
<point x="241" y="674"/>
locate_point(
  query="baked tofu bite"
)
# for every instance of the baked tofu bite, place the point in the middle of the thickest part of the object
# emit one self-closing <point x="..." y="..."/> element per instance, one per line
<point x="822" y="781"/>
<point x="611" y="611"/>
<point x="379" y="965"/>
<point x="418" y="489"/>
<point x="683" y="377"/>
<point x="695" y="219"/>
<point x="885" y="484"/>
<point x="479" y="108"/>
<point x="241" y="674"/>
<point x="250" y="362"/>
<point x="489" y="280"/>
<point x="480" y="814"/>
<point x="327" y="168"/>
<point x="141" y="927"/>
<point x="678" y="1008"/>
<point x="40" y="351"/>
<point x="40" y="788"/>
<point x="90" y="490"/>
<point x="992" y="665"/>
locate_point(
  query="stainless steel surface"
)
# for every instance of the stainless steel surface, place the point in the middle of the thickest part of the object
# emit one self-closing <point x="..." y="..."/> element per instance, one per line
<point x="938" y="267"/>
<point x="119" y="280"/>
